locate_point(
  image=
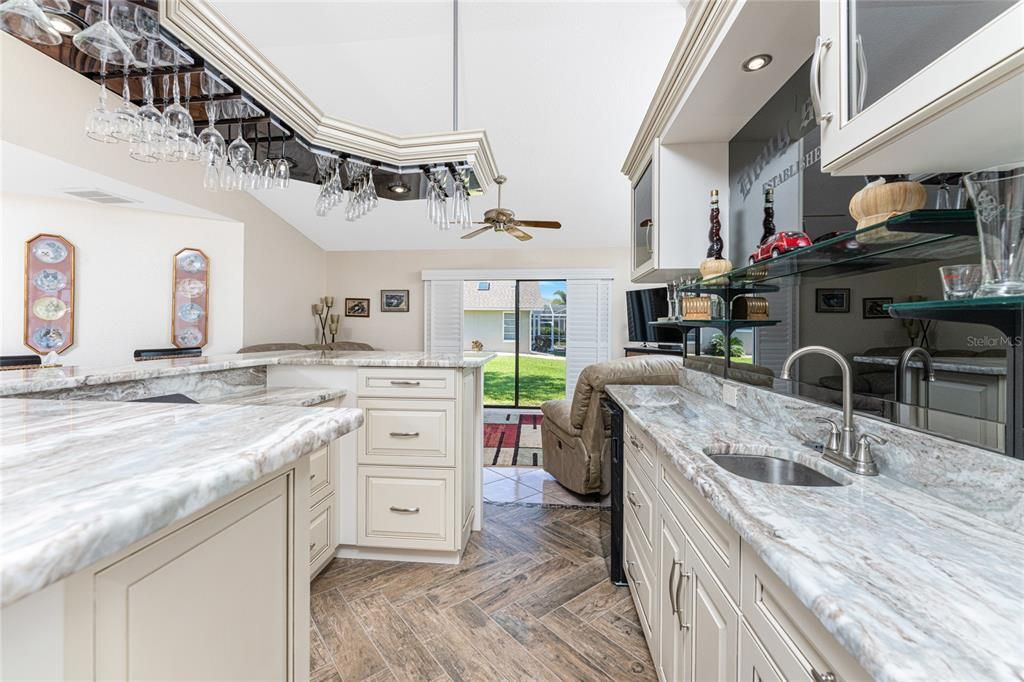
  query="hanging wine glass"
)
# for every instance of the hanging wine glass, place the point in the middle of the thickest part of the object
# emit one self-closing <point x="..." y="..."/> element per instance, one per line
<point x="210" y="140"/>
<point x="143" y="146"/>
<point x="103" y="42"/>
<point x="126" y="116"/>
<point x="282" y="170"/>
<point x="24" y="19"/>
<point x="189" y="139"/>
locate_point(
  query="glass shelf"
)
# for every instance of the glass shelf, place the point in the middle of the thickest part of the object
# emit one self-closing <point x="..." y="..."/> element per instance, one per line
<point x="910" y="239"/>
<point x="727" y="326"/>
<point x="1003" y="312"/>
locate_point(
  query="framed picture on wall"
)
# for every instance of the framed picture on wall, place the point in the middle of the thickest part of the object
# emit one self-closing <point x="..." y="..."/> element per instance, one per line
<point x="831" y="300"/>
<point x="394" y="300"/>
<point x="357" y="307"/>
<point x="874" y="308"/>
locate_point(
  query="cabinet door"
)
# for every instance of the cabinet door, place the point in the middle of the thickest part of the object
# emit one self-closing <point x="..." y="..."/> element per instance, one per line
<point x="643" y="229"/>
<point x="894" y="67"/>
<point x="755" y="665"/>
<point x="671" y="592"/>
<point x="714" y="625"/>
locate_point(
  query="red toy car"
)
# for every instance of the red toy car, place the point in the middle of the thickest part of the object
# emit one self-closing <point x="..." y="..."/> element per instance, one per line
<point x="778" y="244"/>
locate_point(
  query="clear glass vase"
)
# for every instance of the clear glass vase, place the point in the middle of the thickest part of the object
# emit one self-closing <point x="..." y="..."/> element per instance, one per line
<point x="998" y="197"/>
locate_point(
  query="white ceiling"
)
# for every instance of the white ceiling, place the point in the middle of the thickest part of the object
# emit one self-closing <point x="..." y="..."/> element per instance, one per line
<point x="560" y="87"/>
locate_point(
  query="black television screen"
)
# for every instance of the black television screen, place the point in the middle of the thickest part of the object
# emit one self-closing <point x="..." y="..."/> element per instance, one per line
<point x="647" y="305"/>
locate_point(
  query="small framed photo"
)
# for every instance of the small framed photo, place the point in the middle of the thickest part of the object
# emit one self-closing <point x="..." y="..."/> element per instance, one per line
<point x="394" y="300"/>
<point x="874" y="308"/>
<point x="357" y="307"/>
<point x="831" y="300"/>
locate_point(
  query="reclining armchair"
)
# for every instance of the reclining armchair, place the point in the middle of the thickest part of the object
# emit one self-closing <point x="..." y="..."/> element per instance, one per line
<point x="576" y="433"/>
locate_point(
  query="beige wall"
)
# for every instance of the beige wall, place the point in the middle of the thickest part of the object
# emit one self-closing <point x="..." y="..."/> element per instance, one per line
<point x="365" y="273"/>
<point x="123" y="275"/>
<point x="43" y="107"/>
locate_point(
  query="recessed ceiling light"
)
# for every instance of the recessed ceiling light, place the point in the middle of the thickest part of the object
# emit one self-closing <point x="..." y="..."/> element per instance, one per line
<point x="63" y="24"/>
<point x="398" y="187"/>
<point x="757" y="62"/>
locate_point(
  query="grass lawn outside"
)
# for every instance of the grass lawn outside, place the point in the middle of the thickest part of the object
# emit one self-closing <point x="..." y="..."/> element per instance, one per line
<point x="541" y="378"/>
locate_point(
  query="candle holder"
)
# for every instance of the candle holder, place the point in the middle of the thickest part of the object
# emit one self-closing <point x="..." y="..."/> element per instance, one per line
<point x="322" y="312"/>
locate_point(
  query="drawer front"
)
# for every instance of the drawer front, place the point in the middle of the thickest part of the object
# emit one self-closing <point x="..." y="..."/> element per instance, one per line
<point x="639" y="498"/>
<point x="319" y="475"/>
<point x="755" y="664"/>
<point x="792" y="636"/>
<point x="320" y="533"/>
<point x="405" y="382"/>
<point x="641" y="447"/>
<point x="407" y="432"/>
<point x="712" y="535"/>
<point x="406" y="508"/>
<point x="640" y="576"/>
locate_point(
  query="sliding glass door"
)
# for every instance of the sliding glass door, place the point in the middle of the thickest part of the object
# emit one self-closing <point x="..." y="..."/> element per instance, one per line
<point x="523" y="321"/>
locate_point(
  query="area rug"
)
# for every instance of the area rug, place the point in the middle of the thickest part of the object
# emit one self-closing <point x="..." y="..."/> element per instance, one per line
<point x="512" y="438"/>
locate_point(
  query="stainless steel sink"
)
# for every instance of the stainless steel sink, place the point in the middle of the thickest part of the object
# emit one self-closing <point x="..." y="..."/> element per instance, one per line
<point x="772" y="470"/>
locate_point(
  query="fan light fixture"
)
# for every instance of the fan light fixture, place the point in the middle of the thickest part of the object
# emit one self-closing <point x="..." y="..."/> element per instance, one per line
<point x="757" y="62"/>
<point x="398" y="187"/>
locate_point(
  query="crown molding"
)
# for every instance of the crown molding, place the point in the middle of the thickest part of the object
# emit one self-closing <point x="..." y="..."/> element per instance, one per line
<point x="706" y="21"/>
<point x="204" y="29"/>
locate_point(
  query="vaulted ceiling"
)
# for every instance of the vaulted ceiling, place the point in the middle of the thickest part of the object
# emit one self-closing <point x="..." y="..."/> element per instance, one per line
<point x="560" y="87"/>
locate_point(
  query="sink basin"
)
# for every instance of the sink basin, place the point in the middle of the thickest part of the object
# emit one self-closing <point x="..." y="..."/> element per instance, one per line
<point x="772" y="470"/>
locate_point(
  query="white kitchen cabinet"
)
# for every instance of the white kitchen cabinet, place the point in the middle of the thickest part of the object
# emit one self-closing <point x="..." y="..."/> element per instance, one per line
<point x="671" y="205"/>
<point x="919" y="86"/>
<point x="672" y="593"/>
<point x="713" y="623"/>
<point x="754" y="663"/>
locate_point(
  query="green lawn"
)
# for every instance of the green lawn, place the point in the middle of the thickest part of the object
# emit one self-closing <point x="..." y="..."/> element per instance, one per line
<point x="540" y="378"/>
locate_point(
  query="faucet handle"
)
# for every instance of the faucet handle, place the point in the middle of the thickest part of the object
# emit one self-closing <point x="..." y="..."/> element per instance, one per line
<point x="833" y="436"/>
<point x="863" y="461"/>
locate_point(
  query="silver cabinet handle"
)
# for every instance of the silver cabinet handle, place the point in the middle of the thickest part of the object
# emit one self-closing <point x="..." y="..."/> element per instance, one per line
<point x="862" y="74"/>
<point x="631" y="496"/>
<point x="629" y="572"/>
<point x="406" y="510"/>
<point x="404" y="434"/>
<point x="820" y="47"/>
<point x="822" y="677"/>
<point x="636" y="444"/>
<point x="679" y="587"/>
<point x="395" y="382"/>
<point x="673" y="597"/>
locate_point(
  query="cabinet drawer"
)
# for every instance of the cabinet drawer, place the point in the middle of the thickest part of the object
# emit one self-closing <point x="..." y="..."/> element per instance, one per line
<point x="320" y="534"/>
<point x="405" y="382"/>
<point x="406" y="508"/>
<point x="407" y="432"/>
<point x="792" y="636"/>
<point x="755" y="664"/>
<point x="639" y="499"/>
<point x="712" y="535"/>
<point x="641" y="576"/>
<point x="641" y="448"/>
<point x="319" y="475"/>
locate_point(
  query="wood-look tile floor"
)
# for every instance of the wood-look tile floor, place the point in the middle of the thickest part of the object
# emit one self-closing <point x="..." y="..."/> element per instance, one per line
<point x="531" y="600"/>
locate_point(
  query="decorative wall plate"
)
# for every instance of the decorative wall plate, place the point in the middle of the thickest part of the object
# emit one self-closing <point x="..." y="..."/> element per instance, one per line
<point x="190" y="299"/>
<point x="49" y="293"/>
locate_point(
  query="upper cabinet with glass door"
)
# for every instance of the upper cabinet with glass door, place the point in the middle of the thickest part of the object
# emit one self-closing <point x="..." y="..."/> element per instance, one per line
<point x="909" y="86"/>
<point x="643" y="223"/>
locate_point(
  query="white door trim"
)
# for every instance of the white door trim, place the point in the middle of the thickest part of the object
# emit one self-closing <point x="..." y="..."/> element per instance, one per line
<point x="520" y="273"/>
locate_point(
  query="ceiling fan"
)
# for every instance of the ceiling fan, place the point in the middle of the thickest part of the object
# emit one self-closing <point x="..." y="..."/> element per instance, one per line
<point x="504" y="220"/>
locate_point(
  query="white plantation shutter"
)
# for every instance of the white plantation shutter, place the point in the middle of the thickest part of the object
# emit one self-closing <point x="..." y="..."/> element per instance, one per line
<point x="588" y="326"/>
<point x="774" y="344"/>
<point x="442" y="316"/>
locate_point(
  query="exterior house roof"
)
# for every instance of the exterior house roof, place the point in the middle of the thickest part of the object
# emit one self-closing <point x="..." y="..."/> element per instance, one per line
<point x="501" y="295"/>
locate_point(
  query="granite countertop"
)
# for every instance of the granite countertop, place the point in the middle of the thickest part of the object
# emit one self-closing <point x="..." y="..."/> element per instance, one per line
<point x="912" y="586"/>
<point x="82" y="480"/>
<point x="996" y="366"/>
<point x="22" y="381"/>
<point x="279" y="396"/>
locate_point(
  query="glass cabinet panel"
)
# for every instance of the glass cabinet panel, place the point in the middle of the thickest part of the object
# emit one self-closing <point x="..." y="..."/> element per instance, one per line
<point x="643" y="219"/>
<point x="889" y="41"/>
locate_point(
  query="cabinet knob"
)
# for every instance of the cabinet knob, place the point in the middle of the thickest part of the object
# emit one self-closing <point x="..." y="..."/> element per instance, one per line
<point x="312" y="477"/>
<point x="311" y="546"/>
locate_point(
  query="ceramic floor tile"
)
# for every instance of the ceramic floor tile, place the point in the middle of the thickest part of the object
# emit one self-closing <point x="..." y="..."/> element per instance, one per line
<point x="534" y="478"/>
<point x="507" y="490"/>
<point x="492" y="474"/>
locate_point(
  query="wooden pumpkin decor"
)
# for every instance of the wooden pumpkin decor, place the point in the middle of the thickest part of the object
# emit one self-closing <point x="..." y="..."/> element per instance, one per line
<point x="190" y="299"/>
<point x="49" y="294"/>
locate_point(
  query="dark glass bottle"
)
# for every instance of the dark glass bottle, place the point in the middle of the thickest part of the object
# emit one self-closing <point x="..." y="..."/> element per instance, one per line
<point x="715" y="233"/>
<point x="768" y="225"/>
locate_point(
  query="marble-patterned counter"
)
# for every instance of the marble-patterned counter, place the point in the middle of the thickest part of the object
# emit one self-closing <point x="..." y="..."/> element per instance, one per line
<point x="82" y="480"/>
<point x="911" y="585"/>
<point x="993" y="366"/>
<point x="56" y="379"/>
<point x="280" y="396"/>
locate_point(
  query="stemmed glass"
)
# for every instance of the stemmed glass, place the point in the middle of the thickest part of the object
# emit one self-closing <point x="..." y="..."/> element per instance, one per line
<point x="437" y="198"/>
<point x="99" y="123"/>
<point x="282" y="170"/>
<point x="189" y="139"/>
<point x="25" y="19"/>
<point x="149" y="131"/>
<point x="460" y="206"/>
<point x="331" y="191"/>
<point x="126" y="116"/>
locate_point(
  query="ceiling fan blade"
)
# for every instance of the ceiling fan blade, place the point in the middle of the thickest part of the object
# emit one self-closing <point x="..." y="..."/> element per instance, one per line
<point x="476" y="233"/>
<point x="549" y="224"/>
<point x="518" y="234"/>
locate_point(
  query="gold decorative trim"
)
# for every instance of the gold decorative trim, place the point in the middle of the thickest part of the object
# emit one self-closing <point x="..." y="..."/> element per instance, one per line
<point x="204" y="29"/>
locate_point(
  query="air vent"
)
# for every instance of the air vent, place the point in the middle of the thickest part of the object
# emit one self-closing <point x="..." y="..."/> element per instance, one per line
<point x="98" y="196"/>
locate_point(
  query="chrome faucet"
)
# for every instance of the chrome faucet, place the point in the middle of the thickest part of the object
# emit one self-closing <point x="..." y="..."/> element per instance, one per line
<point x="843" y="448"/>
<point x="903" y="375"/>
